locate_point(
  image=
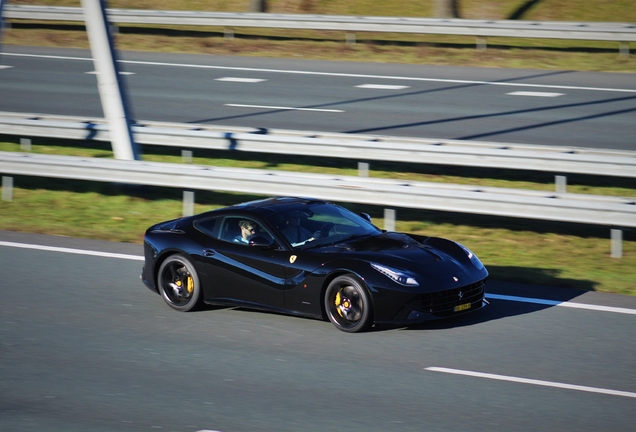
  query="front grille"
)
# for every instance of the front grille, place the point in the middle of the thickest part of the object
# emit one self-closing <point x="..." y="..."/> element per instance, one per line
<point x="443" y="302"/>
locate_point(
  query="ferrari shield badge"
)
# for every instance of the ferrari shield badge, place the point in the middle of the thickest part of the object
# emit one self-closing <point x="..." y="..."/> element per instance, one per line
<point x="292" y="259"/>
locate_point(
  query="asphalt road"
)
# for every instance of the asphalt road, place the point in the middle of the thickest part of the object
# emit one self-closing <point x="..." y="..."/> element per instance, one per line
<point x="582" y="109"/>
<point x="86" y="347"/>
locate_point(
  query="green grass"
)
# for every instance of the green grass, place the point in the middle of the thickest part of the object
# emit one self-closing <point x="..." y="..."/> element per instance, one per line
<point x="559" y="254"/>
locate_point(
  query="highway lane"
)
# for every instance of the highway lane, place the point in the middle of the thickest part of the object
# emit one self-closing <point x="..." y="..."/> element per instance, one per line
<point x="85" y="346"/>
<point x="526" y="106"/>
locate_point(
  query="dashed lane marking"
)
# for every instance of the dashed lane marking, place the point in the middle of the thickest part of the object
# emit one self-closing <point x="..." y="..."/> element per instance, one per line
<point x="535" y="94"/>
<point x="241" y="80"/>
<point x="382" y="87"/>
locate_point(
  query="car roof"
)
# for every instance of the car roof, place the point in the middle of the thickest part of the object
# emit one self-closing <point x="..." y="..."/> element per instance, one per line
<point x="272" y="205"/>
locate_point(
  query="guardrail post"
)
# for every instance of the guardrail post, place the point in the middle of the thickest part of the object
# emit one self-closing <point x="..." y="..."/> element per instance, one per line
<point x="363" y="169"/>
<point x="1" y="30"/>
<point x="7" y="188"/>
<point x="389" y="219"/>
<point x="561" y="183"/>
<point x="482" y="43"/>
<point x="259" y="6"/>
<point x="617" y="243"/>
<point x="228" y="33"/>
<point x="350" y="38"/>
<point x="623" y="49"/>
<point x="188" y="203"/>
<point x="186" y="156"/>
<point x="25" y="144"/>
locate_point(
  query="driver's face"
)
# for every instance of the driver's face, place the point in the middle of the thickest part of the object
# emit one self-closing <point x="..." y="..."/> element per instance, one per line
<point x="248" y="231"/>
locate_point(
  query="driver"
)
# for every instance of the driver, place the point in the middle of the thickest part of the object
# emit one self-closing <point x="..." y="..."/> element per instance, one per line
<point x="248" y="230"/>
<point x="292" y="230"/>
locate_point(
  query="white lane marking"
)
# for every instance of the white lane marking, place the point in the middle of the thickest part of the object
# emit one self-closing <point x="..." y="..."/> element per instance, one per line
<point x="533" y="382"/>
<point x="120" y="73"/>
<point x="283" y="108"/>
<point x="5" y="67"/>
<point x="405" y="78"/>
<point x="382" y="87"/>
<point x="562" y="304"/>
<point x="489" y="296"/>
<point x="241" y="80"/>
<point x="536" y="94"/>
<point x="72" y="251"/>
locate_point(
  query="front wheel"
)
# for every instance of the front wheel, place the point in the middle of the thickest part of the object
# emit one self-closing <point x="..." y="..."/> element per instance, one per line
<point x="179" y="283"/>
<point x="348" y="305"/>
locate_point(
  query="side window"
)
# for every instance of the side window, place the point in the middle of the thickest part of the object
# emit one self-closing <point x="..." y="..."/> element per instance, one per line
<point x="241" y="230"/>
<point x="209" y="226"/>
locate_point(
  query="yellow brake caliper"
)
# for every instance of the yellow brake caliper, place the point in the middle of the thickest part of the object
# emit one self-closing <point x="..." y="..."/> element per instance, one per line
<point x="190" y="285"/>
<point x="338" y="300"/>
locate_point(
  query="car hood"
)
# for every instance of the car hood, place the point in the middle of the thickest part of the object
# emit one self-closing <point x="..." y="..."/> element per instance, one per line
<point x="389" y="248"/>
<point x="439" y="262"/>
<point x="390" y="244"/>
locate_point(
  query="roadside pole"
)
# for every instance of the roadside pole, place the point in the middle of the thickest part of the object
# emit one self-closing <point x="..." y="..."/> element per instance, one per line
<point x="109" y="81"/>
<point x="1" y="28"/>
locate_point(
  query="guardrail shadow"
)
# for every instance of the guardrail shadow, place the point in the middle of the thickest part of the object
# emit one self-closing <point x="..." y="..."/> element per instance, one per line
<point x="528" y="294"/>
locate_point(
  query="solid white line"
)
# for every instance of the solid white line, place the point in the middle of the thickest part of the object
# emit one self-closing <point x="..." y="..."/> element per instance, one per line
<point x="283" y="108"/>
<point x="507" y="84"/>
<point x="382" y="87"/>
<point x="5" y="67"/>
<point x="536" y="94"/>
<point x="72" y="251"/>
<point x="562" y="304"/>
<point x="241" y="80"/>
<point x="489" y="296"/>
<point x="533" y="382"/>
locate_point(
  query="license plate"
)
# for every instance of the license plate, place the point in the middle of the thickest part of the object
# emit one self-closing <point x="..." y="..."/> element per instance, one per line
<point x="462" y="307"/>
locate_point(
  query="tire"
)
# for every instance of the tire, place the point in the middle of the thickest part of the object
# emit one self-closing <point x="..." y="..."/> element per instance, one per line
<point x="179" y="283"/>
<point x="348" y="305"/>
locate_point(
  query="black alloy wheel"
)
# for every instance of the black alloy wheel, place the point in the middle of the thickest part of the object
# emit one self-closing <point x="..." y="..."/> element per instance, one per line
<point x="348" y="305"/>
<point x="179" y="283"/>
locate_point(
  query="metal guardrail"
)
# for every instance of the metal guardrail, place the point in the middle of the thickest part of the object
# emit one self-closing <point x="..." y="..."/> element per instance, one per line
<point x="560" y="160"/>
<point x="619" y="32"/>
<point x="589" y="209"/>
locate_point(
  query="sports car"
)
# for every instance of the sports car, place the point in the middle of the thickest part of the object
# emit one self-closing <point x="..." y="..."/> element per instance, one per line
<point x="310" y="258"/>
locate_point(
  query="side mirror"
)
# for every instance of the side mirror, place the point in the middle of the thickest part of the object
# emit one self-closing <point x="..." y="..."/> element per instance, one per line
<point x="366" y="216"/>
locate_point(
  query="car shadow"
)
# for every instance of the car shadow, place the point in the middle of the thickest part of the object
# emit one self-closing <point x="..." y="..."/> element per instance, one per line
<point x="508" y="299"/>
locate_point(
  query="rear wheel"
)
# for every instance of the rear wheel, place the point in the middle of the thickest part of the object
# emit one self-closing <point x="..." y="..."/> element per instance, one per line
<point x="348" y="305"/>
<point x="179" y="283"/>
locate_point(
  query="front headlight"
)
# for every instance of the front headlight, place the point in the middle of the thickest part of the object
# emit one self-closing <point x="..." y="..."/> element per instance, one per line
<point x="395" y="275"/>
<point x="472" y="257"/>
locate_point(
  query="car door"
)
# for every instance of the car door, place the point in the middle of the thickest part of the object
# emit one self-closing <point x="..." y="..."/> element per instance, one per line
<point x="242" y="272"/>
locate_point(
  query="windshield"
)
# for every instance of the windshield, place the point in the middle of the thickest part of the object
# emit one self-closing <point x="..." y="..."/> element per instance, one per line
<point x="319" y="224"/>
